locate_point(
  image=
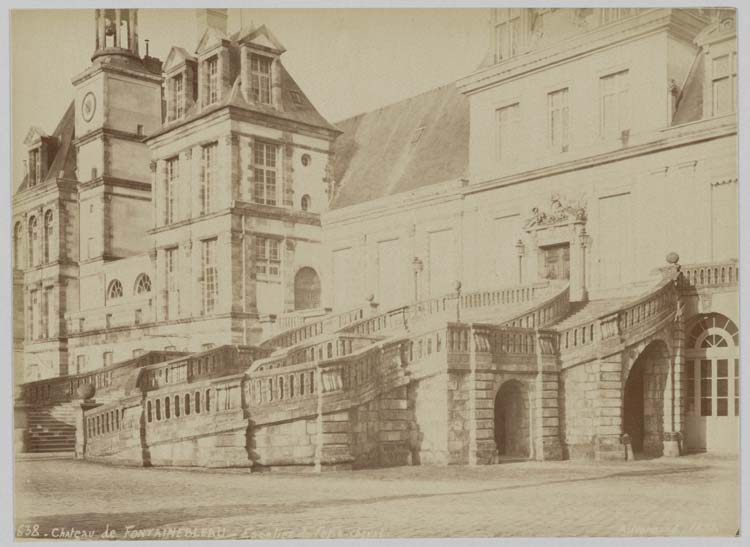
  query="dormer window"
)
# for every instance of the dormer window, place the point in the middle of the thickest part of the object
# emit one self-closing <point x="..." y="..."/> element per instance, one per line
<point x="212" y="71"/>
<point x="724" y="84"/>
<point x="509" y="35"/>
<point x="260" y="79"/>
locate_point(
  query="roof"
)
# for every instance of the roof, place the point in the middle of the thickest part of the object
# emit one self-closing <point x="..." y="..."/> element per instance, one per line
<point x="65" y="155"/>
<point x="416" y="142"/>
<point x="690" y="101"/>
<point x="295" y="106"/>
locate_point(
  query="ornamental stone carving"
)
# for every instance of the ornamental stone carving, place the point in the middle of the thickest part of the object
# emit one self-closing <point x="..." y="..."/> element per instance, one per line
<point x="558" y="212"/>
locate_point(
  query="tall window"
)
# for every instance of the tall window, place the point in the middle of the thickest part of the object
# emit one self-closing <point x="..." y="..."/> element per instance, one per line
<point x="212" y="70"/>
<point x="557" y="104"/>
<point x="48" y="231"/>
<point x="170" y="266"/>
<point x="724" y="84"/>
<point x="265" y="158"/>
<point x="614" y="104"/>
<point x="34" y="166"/>
<point x="208" y="177"/>
<point x="179" y="96"/>
<point x="44" y="316"/>
<point x="509" y="33"/>
<point x="17" y="242"/>
<point x="34" y="314"/>
<point x="508" y="124"/>
<point x="173" y="177"/>
<point x="260" y="79"/>
<point x="33" y="241"/>
<point x="267" y="259"/>
<point x="107" y="358"/>
<point x="210" y="285"/>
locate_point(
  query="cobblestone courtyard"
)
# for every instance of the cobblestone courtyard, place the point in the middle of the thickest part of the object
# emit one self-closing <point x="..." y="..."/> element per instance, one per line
<point x="691" y="496"/>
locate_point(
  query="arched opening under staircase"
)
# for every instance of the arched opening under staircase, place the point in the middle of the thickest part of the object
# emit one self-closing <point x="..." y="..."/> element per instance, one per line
<point x="512" y="420"/>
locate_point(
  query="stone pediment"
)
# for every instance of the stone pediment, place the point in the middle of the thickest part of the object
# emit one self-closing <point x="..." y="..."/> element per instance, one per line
<point x="34" y="136"/>
<point x="723" y="29"/>
<point x="263" y="38"/>
<point x="558" y="212"/>
<point x="211" y="39"/>
<point x="177" y="57"/>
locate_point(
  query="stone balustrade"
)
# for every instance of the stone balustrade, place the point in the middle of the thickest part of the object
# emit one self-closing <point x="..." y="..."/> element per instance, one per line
<point x="714" y="275"/>
<point x="326" y="324"/>
<point x="612" y="327"/>
<point x="64" y="388"/>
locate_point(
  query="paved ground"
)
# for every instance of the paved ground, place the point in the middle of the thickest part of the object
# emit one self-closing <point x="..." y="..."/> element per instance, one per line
<point x="689" y="496"/>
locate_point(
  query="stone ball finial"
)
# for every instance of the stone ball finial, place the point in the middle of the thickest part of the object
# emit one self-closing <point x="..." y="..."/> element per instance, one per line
<point x="673" y="258"/>
<point x="85" y="391"/>
<point x="370" y="297"/>
<point x="457" y="285"/>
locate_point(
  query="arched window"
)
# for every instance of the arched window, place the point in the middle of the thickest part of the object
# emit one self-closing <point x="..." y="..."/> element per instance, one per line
<point x="48" y="230"/>
<point x="711" y="373"/>
<point x="187" y="404"/>
<point x="33" y="241"/>
<point x="115" y="290"/>
<point x="167" y="413"/>
<point x="17" y="242"/>
<point x="142" y="284"/>
<point x="306" y="289"/>
<point x="306" y="202"/>
<point x="176" y="406"/>
<point x="197" y="402"/>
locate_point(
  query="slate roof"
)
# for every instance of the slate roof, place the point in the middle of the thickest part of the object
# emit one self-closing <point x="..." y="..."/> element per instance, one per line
<point x="65" y="155"/>
<point x="416" y="142"/>
<point x="295" y="106"/>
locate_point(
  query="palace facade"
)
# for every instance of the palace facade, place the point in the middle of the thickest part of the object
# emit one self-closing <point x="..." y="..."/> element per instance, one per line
<point x="473" y="273"/>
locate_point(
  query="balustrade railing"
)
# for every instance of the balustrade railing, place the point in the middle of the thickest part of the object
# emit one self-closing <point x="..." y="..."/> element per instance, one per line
<point x="64" y="388"/>
<point x="619" y="323"/>
<point x="311" y="329"/>
<point x="212" y="363"/>
<point x="722" y="274"/>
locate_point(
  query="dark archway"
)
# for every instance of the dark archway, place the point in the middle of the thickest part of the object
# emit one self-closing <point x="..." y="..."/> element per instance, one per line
<point x="306" y="289"/>
<point x="643" y="400"/>
<point x="512" y="420"/>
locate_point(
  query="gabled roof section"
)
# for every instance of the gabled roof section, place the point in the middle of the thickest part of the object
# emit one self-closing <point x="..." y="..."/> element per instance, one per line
<point x="211" y="38"/>
<point x="35" y="134"/>
<point x="261" y="37"/>
<point x="417" y="142"/>
<point x="65" y="155"/>
<point x="176" y="57"/>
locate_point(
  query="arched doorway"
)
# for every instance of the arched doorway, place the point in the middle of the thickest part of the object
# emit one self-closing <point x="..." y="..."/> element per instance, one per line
<point x="643" y="400"/>
<point x="306" y="289"/>
<point x="711" y="381"/>
<point x="512" y="420"/>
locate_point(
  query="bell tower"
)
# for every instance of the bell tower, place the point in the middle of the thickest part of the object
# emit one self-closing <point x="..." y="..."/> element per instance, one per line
<point x="118" y="103"/>
<point x="116" y="32"/>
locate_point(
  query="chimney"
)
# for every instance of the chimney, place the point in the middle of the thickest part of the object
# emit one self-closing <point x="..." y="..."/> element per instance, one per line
<point x="210" y="18"/>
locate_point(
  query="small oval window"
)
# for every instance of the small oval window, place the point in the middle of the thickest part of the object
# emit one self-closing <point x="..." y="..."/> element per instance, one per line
<point x="306" y="159"/>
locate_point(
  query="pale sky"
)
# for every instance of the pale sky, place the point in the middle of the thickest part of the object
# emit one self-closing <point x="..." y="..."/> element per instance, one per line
<point x="346" y="60"/>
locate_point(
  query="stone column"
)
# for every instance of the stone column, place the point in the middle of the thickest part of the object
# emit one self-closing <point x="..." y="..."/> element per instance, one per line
<point x="546" y="409"/>
<point x="118" y="38"/>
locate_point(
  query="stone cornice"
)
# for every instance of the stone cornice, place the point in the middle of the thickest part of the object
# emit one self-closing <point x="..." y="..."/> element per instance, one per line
<point x="107" y="132"/>
<point x="679" y="23"/>
<point x="114" y="182"/>
<point x="97" y="67"/>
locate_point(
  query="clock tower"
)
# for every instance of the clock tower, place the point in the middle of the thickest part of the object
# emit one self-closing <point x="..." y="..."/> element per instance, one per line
<point x="117" y="104"/>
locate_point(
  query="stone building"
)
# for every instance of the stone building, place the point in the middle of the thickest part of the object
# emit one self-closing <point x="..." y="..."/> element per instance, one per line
<point x="472" y="273"/>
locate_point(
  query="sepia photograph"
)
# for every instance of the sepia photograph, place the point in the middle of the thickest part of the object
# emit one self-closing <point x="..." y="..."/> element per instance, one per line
<point x="378" y="272"/>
